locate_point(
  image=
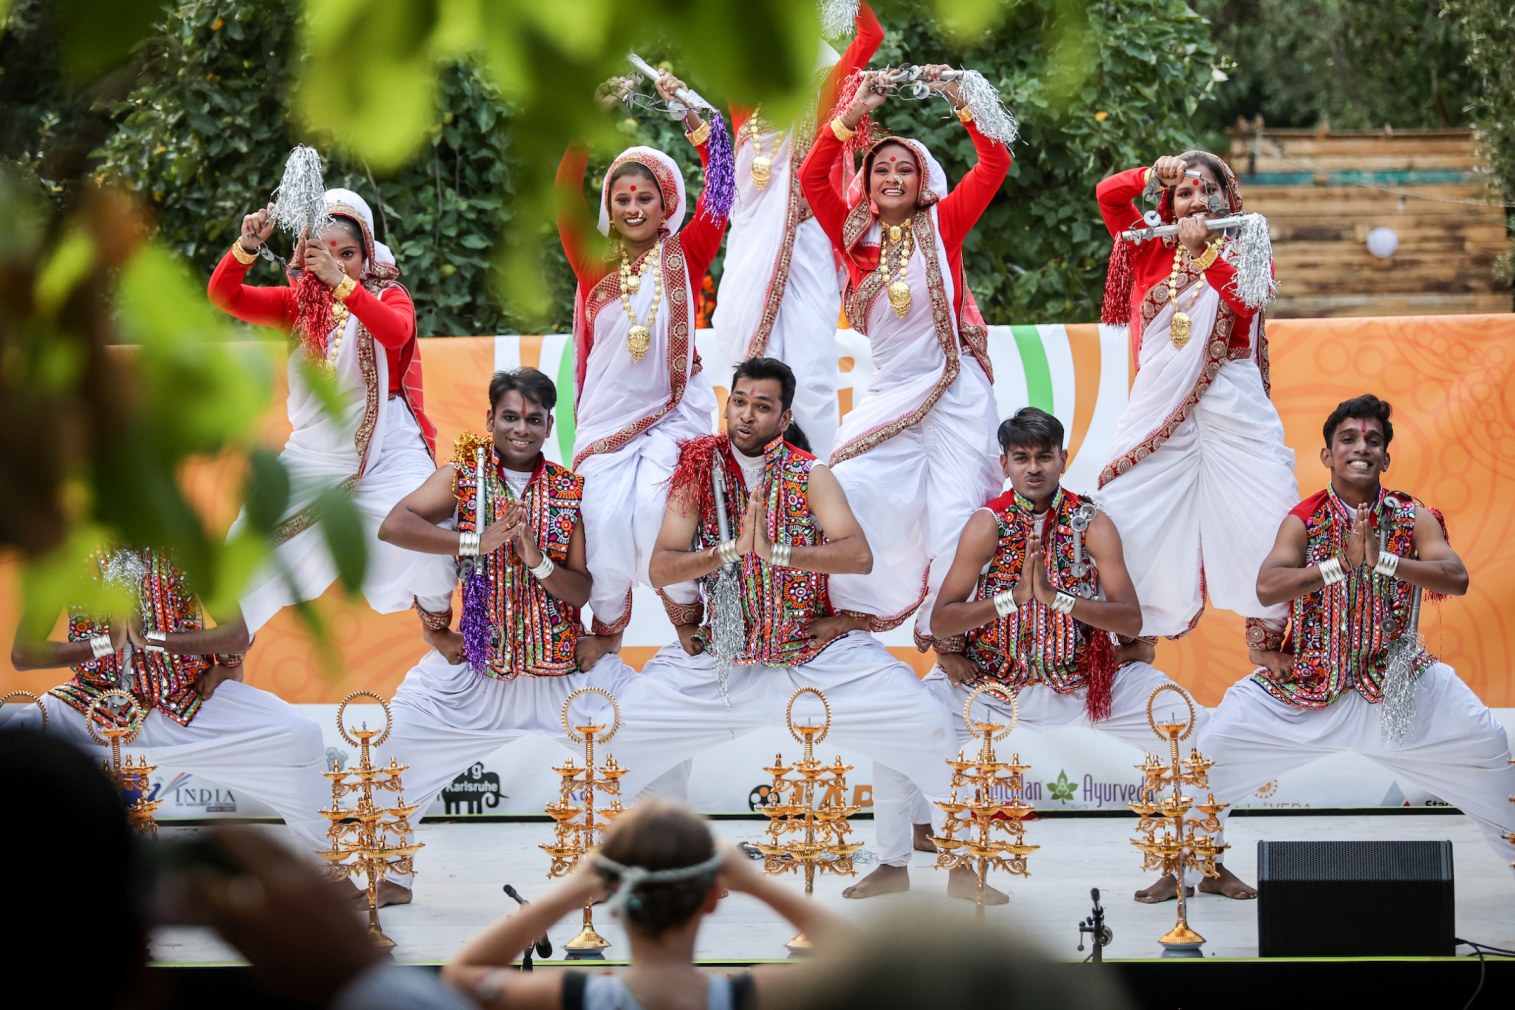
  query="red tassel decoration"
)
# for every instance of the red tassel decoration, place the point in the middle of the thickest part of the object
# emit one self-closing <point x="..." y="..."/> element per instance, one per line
<point x="313" y="322"/>
<point x="1098" y="667"/>
<point x="1119" y="280"/>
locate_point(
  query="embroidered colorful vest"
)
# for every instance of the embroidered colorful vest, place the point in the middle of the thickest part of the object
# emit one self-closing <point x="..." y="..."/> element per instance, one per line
<point x="527" y="631"/>
<point x="778" y="603"/>
<point x="1035" y="644"/>
<point x="1340" y="635"/>
<point x="159" y="680"/>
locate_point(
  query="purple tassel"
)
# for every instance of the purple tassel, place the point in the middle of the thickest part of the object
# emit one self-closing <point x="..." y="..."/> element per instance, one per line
<point x="720" y="173"/>
<point x="474" y="624"/>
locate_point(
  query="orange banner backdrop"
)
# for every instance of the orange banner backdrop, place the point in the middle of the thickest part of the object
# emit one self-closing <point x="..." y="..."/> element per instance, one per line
<point x="1451" y="380"/>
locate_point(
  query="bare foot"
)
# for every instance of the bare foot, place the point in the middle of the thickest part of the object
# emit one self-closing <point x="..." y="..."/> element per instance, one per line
<point x="391" y="893"/>
<point x="1164" y="889"/>
<point x="884" y="880"/>
<point x="1229" y="885"/>
<point x="963" y="883"/>
<point x="923" y="842"/>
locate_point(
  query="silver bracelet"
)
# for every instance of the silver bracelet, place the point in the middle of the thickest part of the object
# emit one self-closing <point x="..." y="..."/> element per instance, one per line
<point x="468" y="544"/>
<point x="726" y="551"/>
<point x="1004" y="603"/>
<point x="1062" y="602"/>
<point x="100" y="646"/>
<point x="1388" y="564"/>
<point x="1331" y="571"/>
<point x="157" y="641"/>
<point x="778" y="554"/>
<point x="544" y="571"/>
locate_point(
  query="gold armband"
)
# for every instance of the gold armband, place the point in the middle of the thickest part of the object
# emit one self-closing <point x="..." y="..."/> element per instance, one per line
<point x="347" y="287"/>
<point x="841" y="130"/>
<point x="699" y="134"/>
<point x="964" y="114"/>
<point x="244" y="257"/>
<point x="1211" y="254"/>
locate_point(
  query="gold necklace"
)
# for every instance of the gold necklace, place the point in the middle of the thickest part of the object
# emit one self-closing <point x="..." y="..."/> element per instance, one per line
<point x="903" y="239"/>
<point x="762" y="166"/>
<point x="639" y="337"/>
<point x="1178" y="330"/>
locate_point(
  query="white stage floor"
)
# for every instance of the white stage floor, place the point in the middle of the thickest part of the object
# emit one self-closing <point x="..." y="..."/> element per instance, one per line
<point x="464" y="865"/>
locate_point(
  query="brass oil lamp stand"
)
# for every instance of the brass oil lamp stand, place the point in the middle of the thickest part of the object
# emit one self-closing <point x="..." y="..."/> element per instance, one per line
<point x="1171" y="841"/>
<point x="131" y="778"/>
<point x="25" y="697"/>
<point x="368" y="839"/>
<point x="579" y="824"/>
<point x="808" y="799"/>
<point x="996" y="791"/>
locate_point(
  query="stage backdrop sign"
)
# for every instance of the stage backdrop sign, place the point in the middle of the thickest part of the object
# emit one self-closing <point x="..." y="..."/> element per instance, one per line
<point x="1450" y="379"/>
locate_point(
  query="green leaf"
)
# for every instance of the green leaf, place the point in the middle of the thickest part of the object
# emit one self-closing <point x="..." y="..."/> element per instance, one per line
<point x="343" y="531"/>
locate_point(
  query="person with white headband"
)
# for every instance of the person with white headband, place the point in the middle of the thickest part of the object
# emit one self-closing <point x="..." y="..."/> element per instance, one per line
<point x="663" y="873"/>
<point x="347" y="316"/>
<point x="638" y="388"/>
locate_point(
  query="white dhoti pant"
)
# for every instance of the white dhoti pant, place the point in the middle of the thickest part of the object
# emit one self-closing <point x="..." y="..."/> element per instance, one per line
<point x="1201" y="513"/>
<point x="302" y="567"/>
<point x="245" y="739"/>
<point x="1455" y="747"/>
<point x="625" y="494"/>
<point x="914" y="493"/>
<point x="446" y="717"/>
<point x="1043" y="708"/>
<point x="879" y="709"/>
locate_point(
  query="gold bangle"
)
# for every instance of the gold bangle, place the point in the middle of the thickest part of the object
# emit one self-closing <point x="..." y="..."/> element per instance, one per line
<point x="699" y="134"/>
<point x="244" y="257"/>
<point x="1211" y="253"/>
<point x="964" y="114"/>
<point x="1147" y="175"/>
<point x="841" y="130"/>
<point x="347" y="287"/>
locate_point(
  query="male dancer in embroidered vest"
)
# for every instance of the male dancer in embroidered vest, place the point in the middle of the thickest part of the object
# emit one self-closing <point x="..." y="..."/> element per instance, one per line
<point x="772" y="629"/>
<point x="194" y="714"/>
<point x="916" y="456"/>
<point x="1352" y="562"/>
<point x="1037" y="589"/>
<point x="639" y="388"/>
<point x="1198" y="472"/>
<point x="349" y="316"/>
<point x="511" y="664"/>
<point x="786" y="293"/>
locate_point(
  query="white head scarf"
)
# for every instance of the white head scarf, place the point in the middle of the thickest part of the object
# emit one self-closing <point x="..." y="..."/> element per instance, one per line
<point x="670" y="182"/>
<point x="934" y="187"/>
<point x="346" y="203"/>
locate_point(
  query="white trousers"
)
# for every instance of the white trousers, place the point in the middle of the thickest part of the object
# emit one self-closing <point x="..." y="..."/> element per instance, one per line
<point x="1201" y="513"/>
<point x="1455" y="748"/>
<point x="914" y="493"/>
<point x="1043" y="708"/>
<point x="247" y="740"/>
<point x="879" y="709"/>
<point x="302" y="567"/>
<point x="446" y="717"/>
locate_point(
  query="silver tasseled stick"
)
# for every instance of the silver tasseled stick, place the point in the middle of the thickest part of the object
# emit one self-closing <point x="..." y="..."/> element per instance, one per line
<point x="300" y="200"/>
<point x="728" y="629"/>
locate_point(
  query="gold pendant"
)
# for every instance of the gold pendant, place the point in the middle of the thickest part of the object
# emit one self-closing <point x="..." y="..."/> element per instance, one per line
<point x="633" y="282"/>
<point x="638" y="339"/>
<point x="896" y="233"/>
<point x="762" y="171"/>
<point x="1178" y="332"/>
<point x="899" y="298"/>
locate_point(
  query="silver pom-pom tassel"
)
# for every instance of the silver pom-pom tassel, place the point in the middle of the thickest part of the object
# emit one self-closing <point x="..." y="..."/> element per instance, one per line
<point x="728" y="629"/>
<point x="1397" y="710"/>
<point x="300" y="200"/>
<point x="837" y="17"/>
<point x="1253" y="260"/>
<point x="124" y="568"/>
<point x="990" y="115"/>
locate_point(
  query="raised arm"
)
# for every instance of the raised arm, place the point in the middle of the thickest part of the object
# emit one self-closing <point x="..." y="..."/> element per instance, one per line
<point x="575" y="221"/>
<point x="870" y="35"/>
<point x="962" y="208"/>
<point x="1116" y="195"/>
<point x="259" y="306"/>
<point x="828" y="205"/>
<point x="701" y="236"/>
<point x="391" y="317"/>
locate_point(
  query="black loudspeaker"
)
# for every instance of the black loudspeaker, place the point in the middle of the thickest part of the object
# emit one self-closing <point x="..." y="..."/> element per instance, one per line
<point x="1354" y="899"/>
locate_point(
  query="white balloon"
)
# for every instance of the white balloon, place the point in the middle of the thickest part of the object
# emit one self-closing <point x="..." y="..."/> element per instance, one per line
<point x="1382" y="242"/>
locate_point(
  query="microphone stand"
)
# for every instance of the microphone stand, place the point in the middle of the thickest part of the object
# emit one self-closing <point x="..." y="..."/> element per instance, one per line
<point x="541" y="945"/>
<point x="1094" y="925"/>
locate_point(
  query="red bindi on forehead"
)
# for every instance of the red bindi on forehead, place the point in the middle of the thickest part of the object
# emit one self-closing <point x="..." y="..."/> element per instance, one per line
<point x="633" y="187"/>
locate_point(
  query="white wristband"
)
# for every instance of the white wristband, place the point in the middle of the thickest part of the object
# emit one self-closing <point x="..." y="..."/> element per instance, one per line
<point x="779" y="554"/>
<point x="726" y="551"/>
<point x="1387" y="565"/>
<point x="100" y="646"/>
<point x="1062" y="602"/>
<point x="543" y="571"/>
<point x="468" y="544"/>
<point x="157" y="641"/>
<point x="1331" y="571"/>
<point x="1004" y="603"/>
